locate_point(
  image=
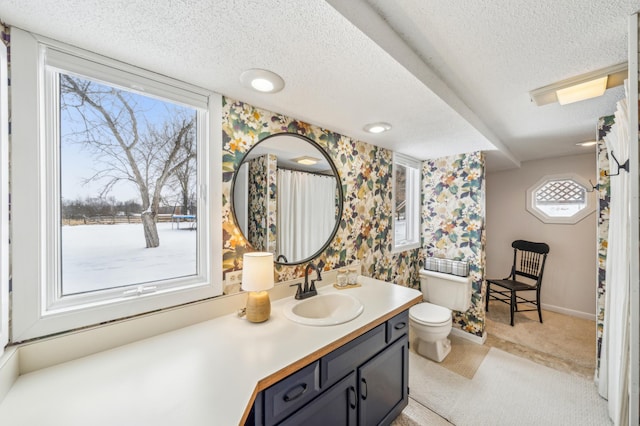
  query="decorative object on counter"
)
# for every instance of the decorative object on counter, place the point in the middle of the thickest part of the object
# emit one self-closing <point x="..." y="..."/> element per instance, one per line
<point x="353" y="276"/>
<point x="350" y="278"/>
<point x="341" y="278"/>
<point x="257" y="278"/>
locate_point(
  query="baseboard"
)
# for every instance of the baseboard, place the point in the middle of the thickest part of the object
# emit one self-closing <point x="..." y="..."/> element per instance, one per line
<point x="570" y="312"/>
<point x="468" y="336"/>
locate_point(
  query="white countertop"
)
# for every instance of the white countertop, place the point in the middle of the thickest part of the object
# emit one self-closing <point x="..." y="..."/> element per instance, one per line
<point x="204" y="374"/>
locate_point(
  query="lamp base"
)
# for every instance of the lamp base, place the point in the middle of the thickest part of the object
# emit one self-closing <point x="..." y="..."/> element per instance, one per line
<point x="258" y="306"/>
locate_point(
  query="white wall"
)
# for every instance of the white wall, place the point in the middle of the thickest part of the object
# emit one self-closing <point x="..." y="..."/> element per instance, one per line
<point x="569" y="283"/>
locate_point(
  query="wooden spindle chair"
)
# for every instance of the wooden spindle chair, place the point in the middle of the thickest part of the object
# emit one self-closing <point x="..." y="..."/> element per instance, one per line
<point x="526" y="276"/>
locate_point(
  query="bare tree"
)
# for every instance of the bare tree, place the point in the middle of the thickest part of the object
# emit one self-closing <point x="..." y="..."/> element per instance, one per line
<point x="185" y="177"/>
<point x="144" y="153"/>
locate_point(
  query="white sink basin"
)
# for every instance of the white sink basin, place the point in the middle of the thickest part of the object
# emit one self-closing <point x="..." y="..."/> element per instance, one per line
<point x="324" y="309"/>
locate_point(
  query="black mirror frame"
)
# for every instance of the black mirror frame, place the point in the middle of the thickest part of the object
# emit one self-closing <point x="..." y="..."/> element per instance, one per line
<point x="338" y="183"/>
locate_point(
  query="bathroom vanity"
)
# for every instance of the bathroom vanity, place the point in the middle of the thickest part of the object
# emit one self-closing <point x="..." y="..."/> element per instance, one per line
<point x="229" y="371"/>
<point x="363" y="382"/>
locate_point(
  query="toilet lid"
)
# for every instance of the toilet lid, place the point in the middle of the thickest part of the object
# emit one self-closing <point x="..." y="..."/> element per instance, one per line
<point x="428" y="313"/>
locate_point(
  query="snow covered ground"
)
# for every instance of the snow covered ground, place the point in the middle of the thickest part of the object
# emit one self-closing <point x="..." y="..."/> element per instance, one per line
<point x="104" y="256"/>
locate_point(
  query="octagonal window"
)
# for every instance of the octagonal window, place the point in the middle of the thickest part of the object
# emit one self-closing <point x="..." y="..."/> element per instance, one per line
<point x="560" y="199"/>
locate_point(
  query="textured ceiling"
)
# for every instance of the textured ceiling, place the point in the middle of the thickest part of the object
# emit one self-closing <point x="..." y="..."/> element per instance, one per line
<point x="450" y="76"/>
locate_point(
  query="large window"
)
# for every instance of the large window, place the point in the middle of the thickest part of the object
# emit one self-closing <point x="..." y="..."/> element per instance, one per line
<point x="406" y="203"/>
<point x="115" y="210"/>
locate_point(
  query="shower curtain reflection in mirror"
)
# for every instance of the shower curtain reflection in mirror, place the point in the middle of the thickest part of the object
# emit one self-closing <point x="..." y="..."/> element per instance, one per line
<point x="306" y="212"/>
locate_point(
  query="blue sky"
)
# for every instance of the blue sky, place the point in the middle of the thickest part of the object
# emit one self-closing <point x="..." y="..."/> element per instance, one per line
<point x="78" y="163"/>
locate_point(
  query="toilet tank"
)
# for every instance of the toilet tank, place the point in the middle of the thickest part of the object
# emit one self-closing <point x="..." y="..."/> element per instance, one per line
<point x="446" y="290"/>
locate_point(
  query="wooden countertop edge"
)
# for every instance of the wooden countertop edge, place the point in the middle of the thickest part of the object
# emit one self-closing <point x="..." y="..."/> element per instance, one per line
<point x="292" y="368"/>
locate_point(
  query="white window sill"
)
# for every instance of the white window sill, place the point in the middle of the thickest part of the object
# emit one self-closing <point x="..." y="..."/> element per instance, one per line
<point x="405" y="247"/>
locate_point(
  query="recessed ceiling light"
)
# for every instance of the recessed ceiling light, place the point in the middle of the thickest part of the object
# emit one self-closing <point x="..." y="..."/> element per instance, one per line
<point x="264" y="81"/>
<point x="588" y="143"/>
<point x="379" y="127"/>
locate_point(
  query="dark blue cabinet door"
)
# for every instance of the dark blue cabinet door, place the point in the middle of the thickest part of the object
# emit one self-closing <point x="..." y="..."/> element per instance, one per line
<point x="336" y="407"/>
<point x="383" y="384"/>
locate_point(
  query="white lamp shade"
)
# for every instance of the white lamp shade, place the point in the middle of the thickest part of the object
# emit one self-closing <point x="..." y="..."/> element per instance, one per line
<point x="257" y="271"/>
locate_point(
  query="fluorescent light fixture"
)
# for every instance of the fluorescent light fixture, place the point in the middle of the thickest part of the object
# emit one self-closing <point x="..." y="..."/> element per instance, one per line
<point x="379" y="127"/>
<point x="307" y="161"/>
<point x="264" y="81"/>
<point x="588" y="143"/>
<point x="582" y="91"/>
<point x="585" y="86"/>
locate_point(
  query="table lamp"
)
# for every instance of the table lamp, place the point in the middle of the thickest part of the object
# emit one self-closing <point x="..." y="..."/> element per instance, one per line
<point x="257" y="278"/>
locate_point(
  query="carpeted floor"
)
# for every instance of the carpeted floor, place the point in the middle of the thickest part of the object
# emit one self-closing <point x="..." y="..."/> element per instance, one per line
<point x="531" y="373"/>
<point x="506" y="390"/>
<point x="465" y="357"/>
<point x="562" y="342"/>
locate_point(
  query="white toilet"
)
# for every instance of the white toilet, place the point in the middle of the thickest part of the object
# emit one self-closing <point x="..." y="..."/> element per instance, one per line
<point x="430" y="321"/>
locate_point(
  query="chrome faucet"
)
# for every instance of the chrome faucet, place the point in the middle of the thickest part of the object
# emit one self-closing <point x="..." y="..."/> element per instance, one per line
<point x="309" y="290"/>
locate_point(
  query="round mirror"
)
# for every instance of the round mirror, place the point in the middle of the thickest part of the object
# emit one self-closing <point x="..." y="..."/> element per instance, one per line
<point x="287" y="198"/>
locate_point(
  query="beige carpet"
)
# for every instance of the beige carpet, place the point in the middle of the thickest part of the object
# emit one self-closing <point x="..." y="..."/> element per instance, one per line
<point x="416" y="414"/>
<point x="562" y="342"/>
<point x="506" y="390"/>
<point x="465" y="357"/>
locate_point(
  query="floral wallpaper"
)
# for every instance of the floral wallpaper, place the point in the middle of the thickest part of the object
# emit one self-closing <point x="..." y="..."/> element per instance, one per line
<point x="604" y="196"/>
<point x="272" y="202"/>
<point x="453" y="212"/>
<point x="364" y="233"/>
<point x="262" y="199"/>
<point x="257" y="211"/>
<point x="452" y="206"/>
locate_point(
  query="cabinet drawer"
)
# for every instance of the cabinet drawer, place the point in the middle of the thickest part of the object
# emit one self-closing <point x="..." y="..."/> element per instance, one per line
<point x="397" y="326"/>
<point x="288" y="395"/>
<point x="345" y="359"/>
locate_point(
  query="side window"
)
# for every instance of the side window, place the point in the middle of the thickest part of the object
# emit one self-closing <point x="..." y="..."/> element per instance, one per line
<point x="406" y="202"/>
<point x="122" y="193"/>
<point x="560" y="199"/>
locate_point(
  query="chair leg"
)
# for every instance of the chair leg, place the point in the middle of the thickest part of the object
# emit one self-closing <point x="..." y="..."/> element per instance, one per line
<point x="512" y="305"/>
<point x="486" y="303"/>
<point x="539" y="309"/>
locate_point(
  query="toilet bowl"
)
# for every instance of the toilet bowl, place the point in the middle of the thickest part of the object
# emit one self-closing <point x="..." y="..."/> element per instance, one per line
<point x="430" y="321"/>
<point x="431" y="324"/>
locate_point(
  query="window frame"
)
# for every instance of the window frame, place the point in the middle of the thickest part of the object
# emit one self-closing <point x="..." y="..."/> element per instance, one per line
<point x="37" y="308"/>
<point x="4" y="199"/>
<point x="568" y="220"/>
<point x="413" y="203"/>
